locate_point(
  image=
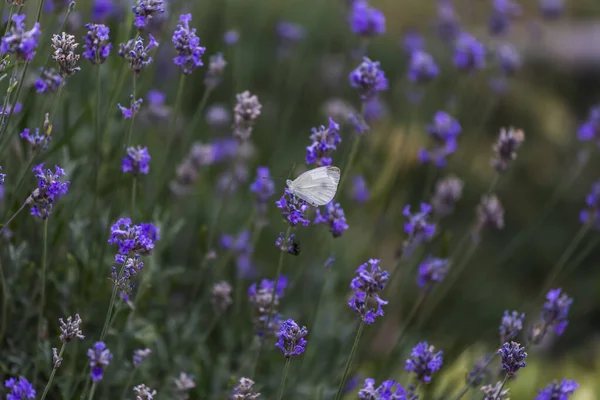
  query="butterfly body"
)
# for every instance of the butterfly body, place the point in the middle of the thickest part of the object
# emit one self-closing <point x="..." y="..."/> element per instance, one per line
<point x="317" y="186"/>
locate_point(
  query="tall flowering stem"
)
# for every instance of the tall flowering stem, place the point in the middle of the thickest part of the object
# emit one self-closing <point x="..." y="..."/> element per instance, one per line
<point x="501" y="387"/>
<point x="283" y="378"/>
<point x="359" y="332"/>
<point x="43" y="295"/>
<point x="128" y="139"/>
<point x="352" y="156"/>
<point x="55" y="367"/>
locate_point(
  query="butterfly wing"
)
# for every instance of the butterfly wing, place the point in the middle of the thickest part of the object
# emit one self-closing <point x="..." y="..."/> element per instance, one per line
<point x="317" y="186"/>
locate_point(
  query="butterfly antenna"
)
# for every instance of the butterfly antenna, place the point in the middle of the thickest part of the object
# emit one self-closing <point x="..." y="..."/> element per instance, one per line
<point x="292" y="170"/>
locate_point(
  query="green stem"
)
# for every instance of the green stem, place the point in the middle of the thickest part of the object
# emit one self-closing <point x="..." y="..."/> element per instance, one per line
<point x="111" y="304"/>
<point x="128" y="383"/>
<point x="92" y="391"/>
<point x="469" y="385"/>
<point x="98" y="141"/>
<point x="43" y="289"/>
<point x="359" y="332"/>
<point x="128" y="138"/>
<point x="133" y="194"/>
<point x="49" y="384"/>
<point x="16" y="98"/>
<point x="351" y="157"/>
<point x="501" y="387"/>
<point x="198" y="114"/>
<point x="5" y="298"/>
<point x="283" y="378"/>
<point x="113" y="100"/>
<point x="39" y="11"/>
<point x="13" y="217"/>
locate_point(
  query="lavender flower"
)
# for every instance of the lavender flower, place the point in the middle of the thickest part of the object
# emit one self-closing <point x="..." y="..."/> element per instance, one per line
<point x="423" y="68"/>
<point x="264" y="299"/>
<point x="56" y="360"/>
<point x="143" y="392"/>
<point x="48" y="82"/>
<point x="590" y="130"/>
<point x="293" y="209"/>
<point x="432" y="270"/>
<point x="183" y="384"/>
<point x="412" y="41"/>
<point x="503" y="12"/>
<point x="218" y="116"/>
<point x="447" y="193"/>
<point x="495" y="392"/>
<point x="37" y="141"/>
<point x="332" y="215"/>
<point x="2" y="176"/>
<point x="64" y="46"/>
<point x="216" y="67"/>
<point x="9" y="108"/>
<point x="479" y="371"/>
<point x="556" y="310"/>
<point x="290" y="246"/>
<point x="289" y="35"/>
<point x="290" y="338"/>
<point x="490" y="213"/>
<point x="360" y="192"/>
<point x="324" y="141"/>
<point x="187" y="44"/>
<point x="508" y="59"/>
<point x="241" y="247"/>
<point x="125" y="282"/>
<point x="418" y="229"/>
<point x="20" y="41"/>
<point x="243" y="390"/>
<point x="102" y="9"/>
<point x="558" y="391"/>
<point x="156" y="104"/>
<point x="424" y="361"/>
<point x="369" y="79"/>
<point x="551" y="9"/>
<point x="388" y="390"/>
<point x="366" y="21"/>
<point x="100" y="357"/>
<point x="263" y="186"/>
<point x="49" y="189"/>
<point x="136" y="53"/>
<point x="506" y="147"/>
<point x="140" y="355"/>
<point x="448" y="26"/>
<point x="469" y="54"/>
<point x="139" y="238"/>
<point x="369" y="281"/>
<point x="511" y="325"/>
<point x="133" y="109"/>
<point x="144" y="11"/>
<point x="231" y="37"/>
<point x="221" y="296"/>
<point x="246" y="111"/>
<point x="97" y="48"/>
<point x="513" y="357"/>
<point x="20" y="389"/>
<point x="443" y="131"/>
<point x="137" y="161"/>
<point x="71" y="329"/>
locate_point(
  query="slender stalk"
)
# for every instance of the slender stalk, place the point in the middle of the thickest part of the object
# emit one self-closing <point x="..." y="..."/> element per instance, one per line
<point x="39" y="11"/>
<point x="198" y="113"/>
<point x="348" y="166"/>
<point x="5" y="298"/>
<point x="211" y="327"/>
<point x="582" y="255"/>
<point x="468" y="385"/>
<point x="128" y="383"/>
<point x="283" y="378"/>
<point x="43" y="295"/>
<point x="133" y="194"/>
<point x="98" y="157"/>
<point x="111" y="304"/>
<point x="113" y="99"/>
<point x="13" y="217"/>
<point x="128" y="138"/>
<point x="501" y="387"/>
<point x="359" y="332"/>
<point x="92" y="391"/>
<point x="49" y="384"/>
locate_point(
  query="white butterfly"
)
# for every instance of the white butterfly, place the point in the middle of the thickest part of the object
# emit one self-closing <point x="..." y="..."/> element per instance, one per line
<point x="317" y="187"/>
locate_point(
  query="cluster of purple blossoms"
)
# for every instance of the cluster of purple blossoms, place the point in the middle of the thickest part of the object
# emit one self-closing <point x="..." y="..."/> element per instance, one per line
<point x="263" y="188"/>
<point x="137" y="239"/>
<point x="502" y="14"/>
<point x="508" y="58"/>
<point x="591" y="214"/>
<point x="49" y="189"/>
<point x="20" y="41"/>
<point x="511" y="325"/>
<point x="131" y="267"/>
<point x="37" y="141"/>
<point x="231" y="37"/>
<point x="443" y="131"/>
<point x="183" y="385"/>
<point x="64" y="46"/>
<point x="100" y="356"/>
<point x="289" y="34"/>
<point x="216" y="68"/>
<point x="48" y="82"/>
<point x="246" y="111"/>
<point x="289" y="245"/>
<point x="20" y="389"/>
<point x="264" y="299"/>
<point x="422" y="68"/>
<point x="412" y="41"/>
<point x="431" y="271"/>
<point x="556" y="311"/>
<point x="143" y="392"/>
<point x="156" y="105"/>
<point x="243" y="390"/>
<point x="133" y="109"/>
<point x="469" y="53"/>
<point x="241" y="247"/>
<point x="417" y="228"/>
<point x="448" y="26"/>
<point x="360" y="192"/>
<point x="365" y="20"/>
<point x="590" y="129"/>
<point x="97" y="48"/>
<point x="293" y="208"/>
<point x="388" y="390"/>
<point x="495" y="392"/>
<point x="137" y="161"/>
<point x="447" y="193"/>
<point x="136" y="53"/>
<point x="10" y="109"/>
<point x="145" y="10"/>
<point x="324" y="142"/>
<point x="558" y="391"/>
<point x="369" y="281"/>
<point x="332" y="215"/>
<point x="513" y="357"/>
<point x="2" y="176"/>
<point x="479" y="372"/>
<point x="490" y="214"/>
<point x="424" y="361"/>
<point x="290" y="338"/>
<point x="369" y="79"/>
<point x="187" y="44"/>
<point x="103" y="9"/>
<point x="140" y="355"/>
<point x="506" y="147"/>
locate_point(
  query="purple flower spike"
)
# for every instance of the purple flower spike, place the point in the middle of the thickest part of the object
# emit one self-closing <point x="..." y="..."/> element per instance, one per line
<point x="448" y="25"/>
<point x="48" y="82"/>
<point x="388" y="390"/>
<point x="366" y="21"/>
<point x="231" y="37"/>
<point x="324" y="142"/>
<point x="511" y="325"/>
<point x="423" y="68"/>
<point x="558" y="391"/>
<point x="293" y="209"/>
<point x="145" y="10"/>
<point x="418" y="229"/>
<point x="360" y="191"/>
<point x="97" y="48"/>
<point x="135" y="106"/>
<point x="187" y="44"/>
<point x="241" y="247"/>
<point x="590" y="130"/>
<point x="369" y="281"/>
<point x="424" y="361"/>
<point x="131" y="238"/>
<point x="137" y="161"/>
<point x="556" y="310"/>
<point x="103" y="9"/>
<point x="20" y="41"/>
<point x="100" y="357"/>
<point x="369" y="79"/>
<point x="136" y="53"/>
<point x="431" y="271"/>
<point x="290" y="246"/>
<point x="513" y="357"/>
<point x="444" y="132"/>
<point x="20" y="389"/>
<point x="37" y="141"/>
<point x="469" y="53"/>
<point x="290" y="339"/>
<point x="49" y="189"/>
<point x="502" y="14"/>
<point x="413" y="41"/>
<point x="332" y="215"/>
